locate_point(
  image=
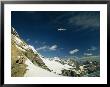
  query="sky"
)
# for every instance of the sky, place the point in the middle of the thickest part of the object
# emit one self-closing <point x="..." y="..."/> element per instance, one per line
<point x="59" y="33"/>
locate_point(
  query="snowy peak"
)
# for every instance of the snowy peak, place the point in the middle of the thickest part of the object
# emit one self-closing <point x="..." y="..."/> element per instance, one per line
<point x="34" y="71"/>
<point x="55" y="66"/>
<point x="31" y="47"/>
<point x="13" y="31"/>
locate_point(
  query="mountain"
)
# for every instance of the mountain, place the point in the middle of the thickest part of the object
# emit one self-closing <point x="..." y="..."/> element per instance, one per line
<point x="28" y="62"/>
<point x="21" y="52"/>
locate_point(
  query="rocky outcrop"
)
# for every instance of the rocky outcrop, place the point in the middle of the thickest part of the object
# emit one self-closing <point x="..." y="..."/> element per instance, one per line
<point x="13" y="31"/>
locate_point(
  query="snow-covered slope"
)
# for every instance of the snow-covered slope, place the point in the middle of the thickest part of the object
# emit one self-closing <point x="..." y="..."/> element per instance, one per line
<point x="23" y="53"/>
<point x="34" y="71"/>
<point x="37" y="65"/>
<point x="31" y="47"/>
<point x="55" y="66"/>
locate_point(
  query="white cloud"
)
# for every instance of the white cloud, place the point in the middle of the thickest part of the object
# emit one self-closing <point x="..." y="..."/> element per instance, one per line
<point x="42" y="48"/>
<point x="92" y="48"/>
<point x="62" y="29"/>
<point x="51" y="48"/>
<point x="73" y="51"/>
<point x="88" y="54"/>
<point x="54" y="47"/>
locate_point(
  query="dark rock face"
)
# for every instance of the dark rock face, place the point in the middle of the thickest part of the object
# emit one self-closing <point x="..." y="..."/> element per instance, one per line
<point x="69" y="73"/>
<point x="91" y="69"/>
<point x="35" y="59"/>
<point x="21" y="60"/>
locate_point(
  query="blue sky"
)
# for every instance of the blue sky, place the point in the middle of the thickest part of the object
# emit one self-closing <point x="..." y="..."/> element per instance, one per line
<point x="59" y="33"/>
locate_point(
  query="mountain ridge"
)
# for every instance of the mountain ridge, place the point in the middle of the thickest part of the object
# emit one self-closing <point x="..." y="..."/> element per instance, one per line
<point x="28" y="62"/>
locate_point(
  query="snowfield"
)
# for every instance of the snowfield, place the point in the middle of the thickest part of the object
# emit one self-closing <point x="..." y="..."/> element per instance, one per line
<point x="36" y="71"/>
<point x="55" y="66"/>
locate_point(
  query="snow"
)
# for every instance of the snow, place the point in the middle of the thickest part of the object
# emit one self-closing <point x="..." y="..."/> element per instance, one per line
<point x="34" y="71"/>
<point x="55" y="66"/>
<point x="25" y="47"/>
<point x="57" y="58"/>
<point x="20" y="48"/>
<point x="32" y="48"/>
<point x="81" y="68"/>
<point x="13" y="29"/>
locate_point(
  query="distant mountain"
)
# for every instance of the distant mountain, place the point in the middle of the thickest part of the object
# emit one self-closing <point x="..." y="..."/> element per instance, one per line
<point x="28" y="62"/>
<point x="90" y="58"/>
